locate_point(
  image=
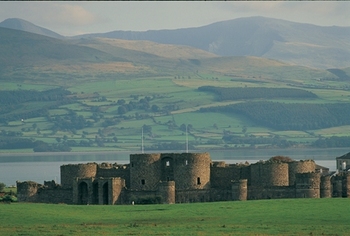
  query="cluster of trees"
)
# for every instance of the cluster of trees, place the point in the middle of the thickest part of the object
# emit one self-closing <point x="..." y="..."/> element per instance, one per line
<point x="14" y="100"/>
<point x="252" y="140"/>
<point x="258" y="92"/>
<point x="291" y="116"/>
<point x="70" y="122"/>
<point x="54" y="147"/>
<point x="170" y="146"/>
<point x="63" y="144"/>
<point x="333" y="141"/>
<point x="142" y="104"/>
<point x="37" y="146"/>
<point x="9" y="196"/>
<point x="16" y="143"/>
<point x="11" y="97"/>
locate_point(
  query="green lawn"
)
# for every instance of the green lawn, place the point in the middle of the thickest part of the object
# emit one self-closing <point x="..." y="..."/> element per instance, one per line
<point x="262" y="217"/>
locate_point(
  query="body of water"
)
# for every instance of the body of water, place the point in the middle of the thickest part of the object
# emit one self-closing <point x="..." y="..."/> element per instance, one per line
<point x="46" y="167"/>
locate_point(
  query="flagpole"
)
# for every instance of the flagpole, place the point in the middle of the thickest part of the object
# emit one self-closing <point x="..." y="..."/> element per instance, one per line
<point x="186" y="140"/>
<point x="142" y="141"/>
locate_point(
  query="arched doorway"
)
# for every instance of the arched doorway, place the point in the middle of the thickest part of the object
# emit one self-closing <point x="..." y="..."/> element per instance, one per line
<point x="105" y="193"/>
<point x="83" y="194"/>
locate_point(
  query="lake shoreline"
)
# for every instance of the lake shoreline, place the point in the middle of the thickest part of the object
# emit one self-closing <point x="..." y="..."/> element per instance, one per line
<point x="346" y="150"/>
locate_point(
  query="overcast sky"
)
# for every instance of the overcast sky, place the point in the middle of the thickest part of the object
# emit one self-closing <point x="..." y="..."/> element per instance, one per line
<point x="73" y="18"/>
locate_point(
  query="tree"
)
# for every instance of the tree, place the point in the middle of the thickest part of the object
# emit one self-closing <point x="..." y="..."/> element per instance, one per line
<point x="122" y="110"/>
<point x="2" y="187"/>
<point x="155" y="108"/>
<point x="147" y="129"/>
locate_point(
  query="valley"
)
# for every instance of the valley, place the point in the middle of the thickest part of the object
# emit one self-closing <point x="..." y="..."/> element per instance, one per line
<point x="113" y="90"/>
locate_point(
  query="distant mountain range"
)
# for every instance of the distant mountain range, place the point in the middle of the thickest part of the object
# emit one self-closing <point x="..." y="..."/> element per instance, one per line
<point x="289" y="42"/>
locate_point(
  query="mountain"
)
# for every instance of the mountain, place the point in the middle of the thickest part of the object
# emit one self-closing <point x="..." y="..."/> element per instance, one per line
<point x="296" y="43"/>
<point x="23" y="48"/>
<point x="23" y="25"/>
<point x="23" y="54"/>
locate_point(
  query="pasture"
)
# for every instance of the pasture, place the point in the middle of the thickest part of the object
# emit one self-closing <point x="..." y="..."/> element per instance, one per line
<point x="178" y="100"/>
<point x="261" y="217"/>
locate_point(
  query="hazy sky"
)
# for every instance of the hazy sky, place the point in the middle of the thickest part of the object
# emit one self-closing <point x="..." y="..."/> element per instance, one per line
<point x="72" y="18"/>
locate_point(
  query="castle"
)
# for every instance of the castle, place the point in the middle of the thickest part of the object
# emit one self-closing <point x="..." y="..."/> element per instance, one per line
<point x="187" y="177"/>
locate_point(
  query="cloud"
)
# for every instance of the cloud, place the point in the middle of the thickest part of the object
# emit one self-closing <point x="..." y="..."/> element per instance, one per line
<point x="69" y="14"/>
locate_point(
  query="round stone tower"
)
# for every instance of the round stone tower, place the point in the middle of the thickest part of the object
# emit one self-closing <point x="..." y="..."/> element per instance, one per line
<point x="325" y="187"/>
<point x="166" y="190"/>
<point x="240" y="190"/>
<point x="192" y="170"/>
<point x="145" y="171"/>
<point x="346" y="192"/>
<point x="337" y="186"/>
<point x="279" y="174"/>
<point x="70" y="172"/>
<point x="297" y="167"/>
<point x="269" y="174"/>
<point x="307" y="185"/>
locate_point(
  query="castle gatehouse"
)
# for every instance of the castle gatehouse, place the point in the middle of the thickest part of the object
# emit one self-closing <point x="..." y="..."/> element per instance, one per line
<point x="186" y="177"/>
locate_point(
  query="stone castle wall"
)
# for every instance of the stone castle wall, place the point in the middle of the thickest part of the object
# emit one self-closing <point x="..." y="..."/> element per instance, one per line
<point x="307" y="185"/>
<point x="71" y="172"/>
<point x="145" y="171"/>
<point x="183" y="178"/>
<point x="221" y="175"/>
<point x="107" y="170"/>
<point x="50" y="192"/>
<point x="272" y="192"/>
<point x="188" y="170"/>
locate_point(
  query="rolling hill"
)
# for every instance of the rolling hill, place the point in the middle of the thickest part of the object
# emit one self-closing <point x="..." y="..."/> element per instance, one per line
<point x="23" y="25"/>
<point x="290" y="42"/>
<point x="95" y="93"/>
<point x="297" y="43"/>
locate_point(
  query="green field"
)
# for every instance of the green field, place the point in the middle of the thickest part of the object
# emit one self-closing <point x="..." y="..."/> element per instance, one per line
<point x="170" y="87"/>
<point x="261" y="217"/>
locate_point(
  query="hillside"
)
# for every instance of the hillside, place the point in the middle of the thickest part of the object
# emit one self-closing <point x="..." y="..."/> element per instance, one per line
<point x="19" y="47"/>
<point x="257" y="36"/>
<point x="85" y="94"/>
<point x="158" y="49"/>
<point x="23" y="25"/>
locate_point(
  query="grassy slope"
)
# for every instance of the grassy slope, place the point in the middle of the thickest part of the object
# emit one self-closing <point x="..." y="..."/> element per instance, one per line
<point x="174" y="80"/>
<point x="263" y="217"/>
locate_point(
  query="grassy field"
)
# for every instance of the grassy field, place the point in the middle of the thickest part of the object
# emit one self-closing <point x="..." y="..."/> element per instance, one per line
<point x="168" y="83"/>
<point x="262" y="217"/>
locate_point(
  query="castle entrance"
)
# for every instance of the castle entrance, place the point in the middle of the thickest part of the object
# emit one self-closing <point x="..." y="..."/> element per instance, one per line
<point x="83" y="194"/>
<point x="105" y="194"/>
